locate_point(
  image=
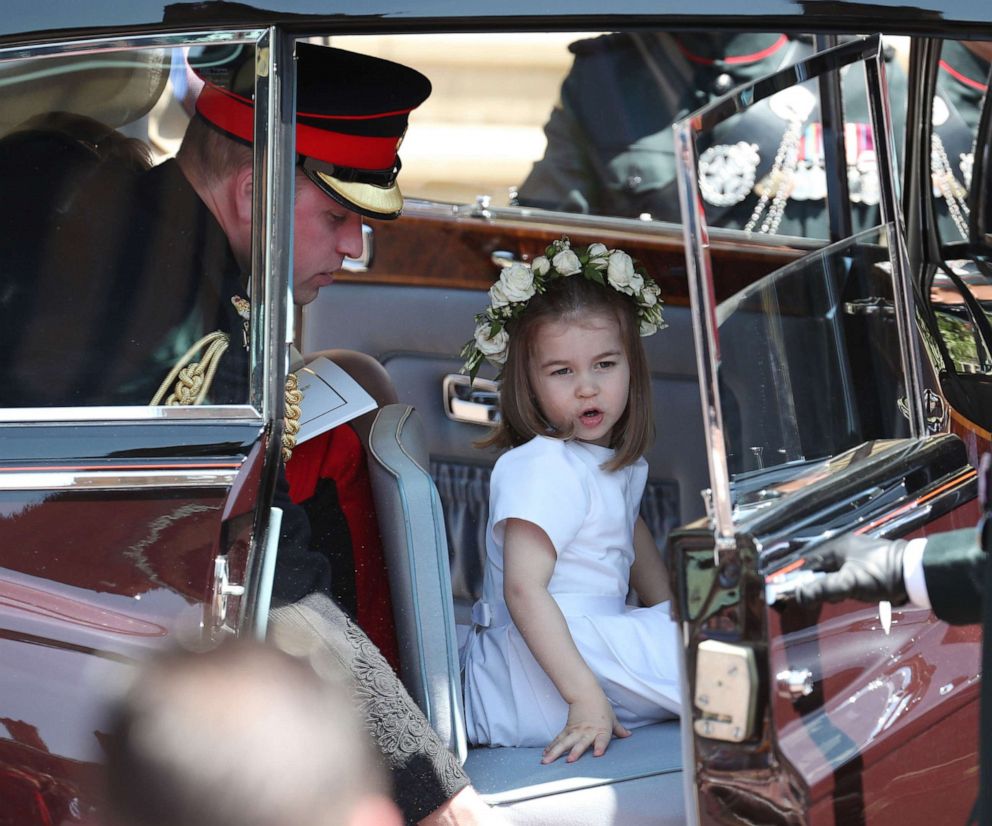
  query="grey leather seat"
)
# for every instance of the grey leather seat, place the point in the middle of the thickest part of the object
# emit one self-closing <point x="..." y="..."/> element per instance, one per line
<point x="411" y="525"/>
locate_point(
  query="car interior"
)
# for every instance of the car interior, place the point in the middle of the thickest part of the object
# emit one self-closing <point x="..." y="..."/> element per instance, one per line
<point x="397" y="320"/>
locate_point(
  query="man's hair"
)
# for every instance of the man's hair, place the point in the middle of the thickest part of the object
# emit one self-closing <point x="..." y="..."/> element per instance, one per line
<point x="243" y="735"/>
<point x="209" y="154"/>
<point x="569" y="299"/>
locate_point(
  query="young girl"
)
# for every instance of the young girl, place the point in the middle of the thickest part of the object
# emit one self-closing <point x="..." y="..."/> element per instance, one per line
<point x="557" y="658"/>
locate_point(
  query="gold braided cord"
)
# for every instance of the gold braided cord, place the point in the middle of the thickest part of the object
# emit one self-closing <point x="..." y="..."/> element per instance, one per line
<point x="190" y="380"/>
<point x="294" y="396"/>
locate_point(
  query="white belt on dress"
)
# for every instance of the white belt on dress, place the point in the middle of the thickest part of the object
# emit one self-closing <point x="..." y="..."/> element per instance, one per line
<point x="496" y="614"/>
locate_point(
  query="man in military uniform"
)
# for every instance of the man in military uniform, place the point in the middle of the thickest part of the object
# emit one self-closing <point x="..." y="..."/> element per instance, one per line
<point x="347" y="137"/>
<point x="610" y="147"/>
<point x="962" y="81"/>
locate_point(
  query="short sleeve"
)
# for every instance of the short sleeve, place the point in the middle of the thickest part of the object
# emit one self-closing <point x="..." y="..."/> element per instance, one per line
<point x="539" y="483"/>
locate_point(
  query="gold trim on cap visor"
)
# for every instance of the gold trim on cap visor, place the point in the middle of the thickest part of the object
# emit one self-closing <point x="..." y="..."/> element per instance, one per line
<point x="371" y="200"/>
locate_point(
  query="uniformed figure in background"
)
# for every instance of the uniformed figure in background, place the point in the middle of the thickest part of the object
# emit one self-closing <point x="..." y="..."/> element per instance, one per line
<point x="962" y="81"/>
<point x="611" y="146"/>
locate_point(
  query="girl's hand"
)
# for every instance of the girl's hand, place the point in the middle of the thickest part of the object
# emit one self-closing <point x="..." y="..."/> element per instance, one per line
<point x="591" y="722"/>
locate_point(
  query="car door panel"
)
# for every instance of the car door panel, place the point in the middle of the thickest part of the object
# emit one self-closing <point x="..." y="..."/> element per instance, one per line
<point x="110" y="536"/>
<point x="852" y="695"/>
<point x="812" y="396"/>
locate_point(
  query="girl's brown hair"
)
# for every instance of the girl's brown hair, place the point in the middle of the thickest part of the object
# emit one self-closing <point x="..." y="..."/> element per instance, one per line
<point x="567" y="299"/>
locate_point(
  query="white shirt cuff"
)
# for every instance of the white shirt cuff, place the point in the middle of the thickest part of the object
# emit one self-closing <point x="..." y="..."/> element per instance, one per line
<point x="912" y="572"/>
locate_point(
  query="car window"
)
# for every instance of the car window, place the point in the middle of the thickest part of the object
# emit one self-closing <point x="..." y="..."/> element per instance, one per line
<point x="810" y="363"/>
<point x="581" y="123"/>
<point x="102" y="303"/>
<point x="811" y="360"/>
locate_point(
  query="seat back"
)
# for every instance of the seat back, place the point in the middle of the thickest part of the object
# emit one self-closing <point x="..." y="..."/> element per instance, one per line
<point x="411" y="526"/>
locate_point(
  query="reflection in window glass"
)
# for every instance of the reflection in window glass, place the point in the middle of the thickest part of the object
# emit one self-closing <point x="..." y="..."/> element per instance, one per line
<point x="959" y="331"/>
<point x="587" y="129"/>
<point x="112" y="270"/>
<point x="810" y="362"/>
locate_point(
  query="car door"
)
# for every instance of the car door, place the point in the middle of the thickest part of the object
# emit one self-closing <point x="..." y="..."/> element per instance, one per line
<point x="124" y="525"/>
<point x="813" y="394"/>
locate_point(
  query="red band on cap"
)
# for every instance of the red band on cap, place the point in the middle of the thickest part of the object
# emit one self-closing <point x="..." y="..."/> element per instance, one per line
<point x="237" y="116"/>
<point x="735" y="60"/>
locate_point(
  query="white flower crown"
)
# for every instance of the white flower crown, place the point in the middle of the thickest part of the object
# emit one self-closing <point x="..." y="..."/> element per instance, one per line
<point x="520" y="282"/>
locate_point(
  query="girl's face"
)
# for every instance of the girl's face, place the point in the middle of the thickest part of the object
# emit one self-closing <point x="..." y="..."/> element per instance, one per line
<point x="580" y="375"/>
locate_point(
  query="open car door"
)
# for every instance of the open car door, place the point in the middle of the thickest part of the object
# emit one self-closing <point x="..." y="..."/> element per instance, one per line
<point x="814" y="405"/>
<point x="126" y="524"/>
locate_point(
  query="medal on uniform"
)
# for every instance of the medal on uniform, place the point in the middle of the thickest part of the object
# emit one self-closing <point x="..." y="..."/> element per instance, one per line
<point x="810" y="177"/>
<point x="727" y="171"/>
<point x="944" y="181"/>
<point x="863" y="184"/>
<point x="793" y="105"/>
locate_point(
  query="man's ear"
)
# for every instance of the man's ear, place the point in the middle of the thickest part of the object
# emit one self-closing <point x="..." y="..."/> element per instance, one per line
<point x="243" y="194"/>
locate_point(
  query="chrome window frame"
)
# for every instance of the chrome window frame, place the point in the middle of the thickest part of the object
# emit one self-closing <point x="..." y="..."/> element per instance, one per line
<point x="700" y="271"/>
<point x="270" y="240"/>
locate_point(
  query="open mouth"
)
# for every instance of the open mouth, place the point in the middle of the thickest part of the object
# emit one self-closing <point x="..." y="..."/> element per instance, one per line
<point x="592" y="417"/>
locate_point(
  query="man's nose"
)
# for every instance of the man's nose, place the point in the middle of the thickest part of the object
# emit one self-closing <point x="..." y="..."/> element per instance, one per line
<point x="350" y="236"/>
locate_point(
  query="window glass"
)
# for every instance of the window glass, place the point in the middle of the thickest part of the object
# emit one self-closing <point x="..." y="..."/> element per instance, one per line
<point x="810" y="363"/>
<point x="805" y="363"/>
<point x="581" y="122"/>
<point x="113" y="272"/>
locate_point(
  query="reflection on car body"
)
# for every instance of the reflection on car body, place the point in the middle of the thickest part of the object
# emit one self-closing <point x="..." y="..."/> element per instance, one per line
<point x="849" y="382"/>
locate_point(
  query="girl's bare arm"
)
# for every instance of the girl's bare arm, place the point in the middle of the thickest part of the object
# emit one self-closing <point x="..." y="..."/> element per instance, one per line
<point x="528" y="562"/>
<point x="648" y="575"/>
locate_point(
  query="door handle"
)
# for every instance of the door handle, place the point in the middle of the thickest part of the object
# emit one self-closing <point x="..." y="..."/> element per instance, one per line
<point x="504" y="259"/>
<point x="471" y="402"/>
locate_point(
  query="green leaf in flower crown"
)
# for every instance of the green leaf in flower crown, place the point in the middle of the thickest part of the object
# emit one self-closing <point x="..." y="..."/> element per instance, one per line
<point x="595" y="275"/>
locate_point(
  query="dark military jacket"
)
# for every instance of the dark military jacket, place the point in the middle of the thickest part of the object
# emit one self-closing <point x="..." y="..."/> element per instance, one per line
<point x="611" y="146"/>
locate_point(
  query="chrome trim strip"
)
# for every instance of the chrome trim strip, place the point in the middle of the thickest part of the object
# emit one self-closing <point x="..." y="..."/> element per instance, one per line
<point x="703" y="308"/>
<point x="27" y="416"/>
<point x="143" y="41"/>
<point x="116" y="479"/>
<point x="902" y="291"/>
<point x="271" y="276"/>
<point x="256" y="611"/>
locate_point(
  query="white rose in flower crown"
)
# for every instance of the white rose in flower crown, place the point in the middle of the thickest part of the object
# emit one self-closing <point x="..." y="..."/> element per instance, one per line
<point x="636" y="283"/>
<point x="540" y="265"/>
<point x="567" y="262"/>
<point x="648" y="328"/>
<point x="598" y="256"/>
<point x="620" y="271"/>
<point x="517" y="281"/>
<point x="648" y="297"/>
<point x="493" y="347"/>
<point x="498" y="296"/>
<point x="653" y="316"/>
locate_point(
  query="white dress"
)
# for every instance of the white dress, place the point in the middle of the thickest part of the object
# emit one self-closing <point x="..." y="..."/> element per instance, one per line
<point x="589" y="515"/>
